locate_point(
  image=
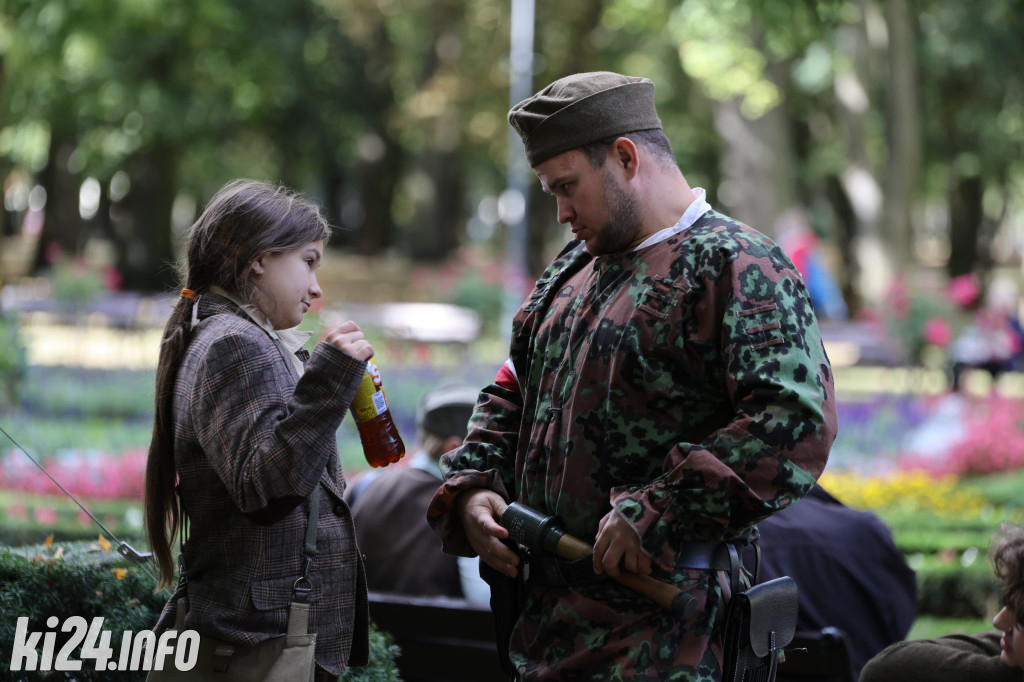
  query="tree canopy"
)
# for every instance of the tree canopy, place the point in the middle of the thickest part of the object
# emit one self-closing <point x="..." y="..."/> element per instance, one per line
<point x="897" y="126"/>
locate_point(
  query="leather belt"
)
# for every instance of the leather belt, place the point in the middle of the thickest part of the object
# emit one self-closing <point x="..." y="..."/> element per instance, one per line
<point x="714" y="556"/>
<point x="550" y="571"/>
<point x="710" y="556"/>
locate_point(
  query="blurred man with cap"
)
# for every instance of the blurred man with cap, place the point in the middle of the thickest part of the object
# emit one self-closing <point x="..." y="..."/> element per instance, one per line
<point x="402" y="554"/>
<point x="666" y="389"/>
<point x="850" y="573"/>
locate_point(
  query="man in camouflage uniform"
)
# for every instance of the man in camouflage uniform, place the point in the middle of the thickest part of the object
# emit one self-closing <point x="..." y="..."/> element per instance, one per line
<point x="666" y="387"/>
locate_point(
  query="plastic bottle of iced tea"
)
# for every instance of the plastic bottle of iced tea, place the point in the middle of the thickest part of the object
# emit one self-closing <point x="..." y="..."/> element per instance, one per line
<point x="382" y="445"/>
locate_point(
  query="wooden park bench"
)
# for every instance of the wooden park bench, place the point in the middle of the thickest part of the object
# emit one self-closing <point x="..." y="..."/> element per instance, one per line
<point x="441" y="639"/>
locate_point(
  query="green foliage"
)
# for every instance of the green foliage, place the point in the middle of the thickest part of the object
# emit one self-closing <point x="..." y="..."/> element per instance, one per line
<point x="947" y="588"/>
<point x="907" y="310"/>
<point x="383" y="656"/>
<point x="75" y="283"/>
<point x="486" y="299"/>
<point x="83" y="579"/>
<point x="29" y="517"/>
<point x="318" y="93"/>
<point x="920" y="531"/>
<point x="929" y="627"/>
<point x="84" y="582"/>
<point x="1002" y="490"/>
<point x="13" y="362"/>
<point x="49" y="435"/>
<point x="81" y="392"/>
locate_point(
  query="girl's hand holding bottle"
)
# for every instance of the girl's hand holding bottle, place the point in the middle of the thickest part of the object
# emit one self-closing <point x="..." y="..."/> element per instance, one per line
<point x="350" y="338"/>
<point x="381" y="441"/>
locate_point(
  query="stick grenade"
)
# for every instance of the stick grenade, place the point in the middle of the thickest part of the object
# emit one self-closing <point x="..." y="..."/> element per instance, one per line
<point x="540" y="534"/>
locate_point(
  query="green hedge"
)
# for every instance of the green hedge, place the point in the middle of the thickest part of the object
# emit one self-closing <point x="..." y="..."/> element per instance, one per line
<point x="948" y="589"/>
<point x="64" y="520"/>
<point x="83" y="579"/>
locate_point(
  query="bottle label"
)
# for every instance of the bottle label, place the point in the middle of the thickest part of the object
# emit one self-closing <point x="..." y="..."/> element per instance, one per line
<point x="369" y="401"/>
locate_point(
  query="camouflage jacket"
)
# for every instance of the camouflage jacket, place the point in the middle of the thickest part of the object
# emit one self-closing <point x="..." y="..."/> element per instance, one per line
<point x="685" y="383"/>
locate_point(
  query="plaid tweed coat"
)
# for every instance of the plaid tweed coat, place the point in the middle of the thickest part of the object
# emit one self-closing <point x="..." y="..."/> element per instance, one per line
<point x="252" y="440"/>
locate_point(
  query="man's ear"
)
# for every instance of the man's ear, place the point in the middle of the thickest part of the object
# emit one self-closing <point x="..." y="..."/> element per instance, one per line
<point x="451" y="442"/>
<point x="257" y="266"/>
<point x="625" y="156"/>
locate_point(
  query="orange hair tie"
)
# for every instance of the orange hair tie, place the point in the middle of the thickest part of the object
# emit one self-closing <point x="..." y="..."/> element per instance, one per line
<point x="189" y="294"/>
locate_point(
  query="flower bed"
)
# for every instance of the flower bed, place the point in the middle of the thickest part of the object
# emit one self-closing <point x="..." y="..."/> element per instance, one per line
<point x="933" y="467"/>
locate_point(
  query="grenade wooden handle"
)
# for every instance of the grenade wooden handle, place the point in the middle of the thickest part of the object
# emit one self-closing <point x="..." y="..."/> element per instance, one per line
<point x="669" y="597"/>
<point x="538" y="532"/>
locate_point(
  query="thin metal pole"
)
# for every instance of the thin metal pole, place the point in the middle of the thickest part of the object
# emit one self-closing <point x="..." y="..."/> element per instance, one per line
<point x="513" y="204"/>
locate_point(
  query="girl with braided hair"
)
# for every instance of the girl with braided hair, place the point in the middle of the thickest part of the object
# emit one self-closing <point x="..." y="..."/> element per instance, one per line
<point x="244" y="434"/>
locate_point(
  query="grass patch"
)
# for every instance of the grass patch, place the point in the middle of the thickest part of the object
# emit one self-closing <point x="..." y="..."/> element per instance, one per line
<point x="929" y="627"/>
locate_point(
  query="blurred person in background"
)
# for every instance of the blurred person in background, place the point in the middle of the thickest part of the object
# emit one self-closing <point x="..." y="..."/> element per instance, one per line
<point x="402" y="553"/>
<point x="992" y="656"/>
<point x="990" y="338"/>
<point x="801" y="244"/>
<point x="850" y="573"/>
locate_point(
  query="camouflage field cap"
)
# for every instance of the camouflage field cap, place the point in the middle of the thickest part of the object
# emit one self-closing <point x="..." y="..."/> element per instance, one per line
<point x="580" y="109"/>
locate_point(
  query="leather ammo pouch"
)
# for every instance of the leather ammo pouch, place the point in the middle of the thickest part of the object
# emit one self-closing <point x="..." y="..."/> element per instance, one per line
<point x="758" y="624"/>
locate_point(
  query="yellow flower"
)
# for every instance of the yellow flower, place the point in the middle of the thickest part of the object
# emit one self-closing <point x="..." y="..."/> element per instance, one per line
<point x="120" y="573"/>
<point x="908" y="490"/>
<point x="104" y="543"/>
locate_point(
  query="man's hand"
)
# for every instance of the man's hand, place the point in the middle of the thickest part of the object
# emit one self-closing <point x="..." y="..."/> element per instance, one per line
<point x="618" y="546"/>
<point x="480" y="510"/>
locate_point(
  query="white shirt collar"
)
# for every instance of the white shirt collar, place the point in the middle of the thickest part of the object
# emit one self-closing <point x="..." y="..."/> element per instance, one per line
<point x="424" y="462"/>
<point x="292" y="339"/>
<point x="695" y="210"/>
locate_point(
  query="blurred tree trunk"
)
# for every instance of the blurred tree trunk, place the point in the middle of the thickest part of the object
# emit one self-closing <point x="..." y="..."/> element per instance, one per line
<point x="845" y="236"/>
<point x="378" y="184"/>
<point x="757" y="155"/>
<point x="904" y="131"/>
<point x="332" y="180"/>
<point x="62" y="223"/>
<point x="965" y="219"/>
<point x="871" y="267"/>
<point x="756" y="163"/>
<point x="144" y="254"/>
<point x="439" y="212"/>
<point x="382" y="155"/>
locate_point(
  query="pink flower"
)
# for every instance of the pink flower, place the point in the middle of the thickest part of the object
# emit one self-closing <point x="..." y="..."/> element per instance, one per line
<point x="45" y="515"/>
<point x="937" y="331"/>
<point x="52" y="253"/>
<point x="899" y="297"/>
<point x="112" y="279"/>
<point x="964" y="290"/>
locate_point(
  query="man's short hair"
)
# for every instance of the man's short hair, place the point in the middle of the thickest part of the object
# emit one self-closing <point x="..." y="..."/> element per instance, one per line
<point x="654" y="141"/>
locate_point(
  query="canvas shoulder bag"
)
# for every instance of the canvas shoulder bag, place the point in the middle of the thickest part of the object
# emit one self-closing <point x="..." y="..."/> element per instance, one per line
<point x="288" y="658"/>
